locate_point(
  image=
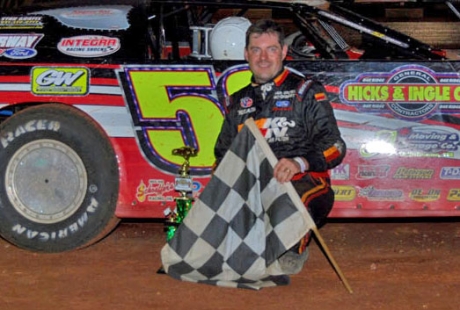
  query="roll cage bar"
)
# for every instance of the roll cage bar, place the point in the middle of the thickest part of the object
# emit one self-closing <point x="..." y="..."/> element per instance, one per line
<point x="316" y="23"/>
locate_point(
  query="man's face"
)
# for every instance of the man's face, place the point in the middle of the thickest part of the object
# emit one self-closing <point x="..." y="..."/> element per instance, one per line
<point x="265" y="56"/>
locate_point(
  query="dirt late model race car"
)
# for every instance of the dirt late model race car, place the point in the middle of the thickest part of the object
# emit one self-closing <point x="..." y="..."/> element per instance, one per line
<point x="93" y="99"/>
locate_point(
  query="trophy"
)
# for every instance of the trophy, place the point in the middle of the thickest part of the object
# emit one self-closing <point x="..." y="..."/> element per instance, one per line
<point x="184" y="185"/>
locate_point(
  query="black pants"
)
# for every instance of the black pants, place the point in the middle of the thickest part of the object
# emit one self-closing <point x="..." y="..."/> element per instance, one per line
<point x="317" y="195"/>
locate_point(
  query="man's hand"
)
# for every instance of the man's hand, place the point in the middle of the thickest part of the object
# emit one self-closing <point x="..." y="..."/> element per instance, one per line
<point x="285" y="169"/>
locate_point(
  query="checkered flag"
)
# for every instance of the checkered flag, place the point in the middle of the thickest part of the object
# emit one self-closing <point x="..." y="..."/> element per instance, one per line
<point x="241" y="223"/>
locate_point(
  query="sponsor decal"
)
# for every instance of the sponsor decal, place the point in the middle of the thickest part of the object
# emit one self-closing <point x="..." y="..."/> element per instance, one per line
<point x="89" y="13"/>
<point x="89" y="46"/>
<point x="275" y="129"/>
<point x="429" y="139"/>
<point x="413" y="173"/>
<point x="344" y="192"/>
<point x="19" y="46"/>
<point x="161" y="190"/>
<point x="417" y="141"/>
<point x="34" y="125"/>
<point x="95" y="18"/>
<point x="246" y="102"/>
<point x="156" y="190"/>
<point x="60" y="81"/>
<point x="283" y="104"/>
<point x="266" y="88"/>
<point x="450" y="173"/>
<point x="65" y="232"/>
<point x="367" y="172"/>
<point x="21" y="22"/>
<point x="430" y="195"/>
<point x="382" y="143"/>
<point x="409" y="92"/>
<point x="20" y="53"/>
<point x="246" y="111"/>
<point x="454" y="194"/>
<point x="374" y="194"/>
<point x="197" y="187"/>
<point x="303" y="87"/>
<point x="286" y="94"/>
<point x="341" y="172"/>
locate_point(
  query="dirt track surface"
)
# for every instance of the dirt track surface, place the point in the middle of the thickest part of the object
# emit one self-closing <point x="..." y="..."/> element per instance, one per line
<point x="388" y="266"/>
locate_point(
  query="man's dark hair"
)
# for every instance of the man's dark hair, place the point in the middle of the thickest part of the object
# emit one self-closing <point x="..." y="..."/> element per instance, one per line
<point x="265" y="26"/>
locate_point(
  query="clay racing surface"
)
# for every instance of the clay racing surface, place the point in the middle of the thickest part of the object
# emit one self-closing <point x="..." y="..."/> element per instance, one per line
<point x="391" y="265"/>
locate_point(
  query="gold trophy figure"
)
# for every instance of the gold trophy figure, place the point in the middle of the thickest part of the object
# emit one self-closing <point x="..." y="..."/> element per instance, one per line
<point x="184" y="185"/>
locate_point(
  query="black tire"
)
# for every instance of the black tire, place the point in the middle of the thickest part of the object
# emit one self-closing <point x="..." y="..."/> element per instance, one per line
<point x="58" y="179"/>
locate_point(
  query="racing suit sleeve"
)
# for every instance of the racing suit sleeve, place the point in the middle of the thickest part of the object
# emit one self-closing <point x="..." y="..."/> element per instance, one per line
<point x="327" y="148"/>
<point x="227" y="133"/>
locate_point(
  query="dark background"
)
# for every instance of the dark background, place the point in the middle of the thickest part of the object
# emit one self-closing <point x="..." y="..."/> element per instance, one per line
<point x="429" y="21"/>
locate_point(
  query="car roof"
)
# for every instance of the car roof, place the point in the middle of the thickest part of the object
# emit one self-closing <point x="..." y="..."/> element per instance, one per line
<point x="40" y="4"/>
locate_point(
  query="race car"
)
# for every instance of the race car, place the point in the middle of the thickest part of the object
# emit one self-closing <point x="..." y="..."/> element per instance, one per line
<point x="95" y="98"/>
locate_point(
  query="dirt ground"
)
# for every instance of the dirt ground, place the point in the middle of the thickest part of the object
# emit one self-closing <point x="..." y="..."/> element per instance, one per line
<point x="391" y="265"/>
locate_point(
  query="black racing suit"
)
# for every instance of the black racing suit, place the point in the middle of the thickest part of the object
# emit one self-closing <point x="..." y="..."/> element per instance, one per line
<point x="296" y="119"/>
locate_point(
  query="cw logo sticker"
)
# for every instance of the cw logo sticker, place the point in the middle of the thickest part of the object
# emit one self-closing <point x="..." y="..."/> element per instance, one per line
<point x="60" y="81"/>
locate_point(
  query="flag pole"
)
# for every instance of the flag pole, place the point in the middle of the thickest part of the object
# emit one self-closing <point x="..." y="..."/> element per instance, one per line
<point x="331" y="259"/>
<point x="295" y="198"/>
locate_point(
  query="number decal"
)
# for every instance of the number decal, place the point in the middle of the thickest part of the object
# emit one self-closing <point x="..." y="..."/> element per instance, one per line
<point x="173" y="106"/>
<point x="234" y="79"/>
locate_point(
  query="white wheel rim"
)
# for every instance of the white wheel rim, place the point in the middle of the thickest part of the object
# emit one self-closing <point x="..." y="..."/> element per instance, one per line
<point x="46" y="181"/>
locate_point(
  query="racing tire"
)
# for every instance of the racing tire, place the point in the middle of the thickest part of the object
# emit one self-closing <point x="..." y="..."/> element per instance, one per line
<point x="59" y="179"/>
